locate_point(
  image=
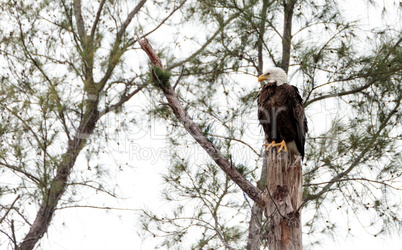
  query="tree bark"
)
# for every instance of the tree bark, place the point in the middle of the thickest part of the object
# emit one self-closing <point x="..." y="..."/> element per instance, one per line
<point x="287" y="33"/>
<point x="255" y="225"/>
<point x="284" y="198"/>
<point x="59" y="183"/>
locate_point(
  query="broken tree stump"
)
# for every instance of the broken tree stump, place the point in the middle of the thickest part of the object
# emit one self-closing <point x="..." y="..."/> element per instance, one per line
<point x="283" y="196"/>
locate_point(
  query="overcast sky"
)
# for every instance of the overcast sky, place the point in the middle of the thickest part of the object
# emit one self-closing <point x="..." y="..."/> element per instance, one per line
<point x="140" y="183"/>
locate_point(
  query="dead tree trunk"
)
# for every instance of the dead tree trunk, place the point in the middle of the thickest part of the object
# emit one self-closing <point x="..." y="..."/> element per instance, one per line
<point x="256" y="229"/>
<point x="283" y="196"/>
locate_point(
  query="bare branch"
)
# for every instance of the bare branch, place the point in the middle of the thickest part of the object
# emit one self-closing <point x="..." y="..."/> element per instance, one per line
<point x="210" y="40"/>
<point x="234" y="139"/>
<point x="123" y="100"/>
<point x="129" y="18"/>
<point x="353" y="179"/>
<point x="252" y="191"/>
<point x="19" y="170"/>
<point x="13" y="235"/>
<point x="9" y="209"/>
<point x="353" y="91"/>
<point x="178" y="79"/>
<point x="103" y="208"/>
<point x="97" y="18"/>
<point x="163" y="21"/>
<point x="155" y="60"/>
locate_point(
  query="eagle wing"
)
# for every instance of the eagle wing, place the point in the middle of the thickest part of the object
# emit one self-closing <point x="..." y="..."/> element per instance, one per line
<point x="263" y="115"/>
<point x="299" y="121"/>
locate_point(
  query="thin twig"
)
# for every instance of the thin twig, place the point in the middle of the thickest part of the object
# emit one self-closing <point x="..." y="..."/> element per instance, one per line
<point x="234" y="139"/>
<point x="164" y="20"/>
<point x="96" y="207"/>
<point x="353" y="179"/>
<point x="178" y="79"/>
<point x="277" y="208"/>
<point x="9" y="209"/>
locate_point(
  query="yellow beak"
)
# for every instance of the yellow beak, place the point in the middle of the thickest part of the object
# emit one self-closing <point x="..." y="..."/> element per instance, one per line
<point x="262" y="78"/>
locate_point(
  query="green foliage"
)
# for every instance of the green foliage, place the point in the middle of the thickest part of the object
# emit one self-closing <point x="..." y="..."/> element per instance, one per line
<point x="160" y="78"/>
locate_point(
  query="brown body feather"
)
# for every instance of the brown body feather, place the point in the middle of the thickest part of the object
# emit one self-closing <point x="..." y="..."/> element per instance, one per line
<point x="281" y="115"/>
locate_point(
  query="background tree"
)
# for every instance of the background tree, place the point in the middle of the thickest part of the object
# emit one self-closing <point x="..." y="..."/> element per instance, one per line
<point x="63" y="72"/>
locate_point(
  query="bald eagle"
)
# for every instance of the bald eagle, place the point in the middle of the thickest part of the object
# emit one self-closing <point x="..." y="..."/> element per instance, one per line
<point x="281" y="113"/>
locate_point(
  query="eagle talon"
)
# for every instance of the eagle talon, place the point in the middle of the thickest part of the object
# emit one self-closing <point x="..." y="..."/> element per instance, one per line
<point x="282" y="146"/>
<point x="273" y="144"/>
<point x="270" y="145"/>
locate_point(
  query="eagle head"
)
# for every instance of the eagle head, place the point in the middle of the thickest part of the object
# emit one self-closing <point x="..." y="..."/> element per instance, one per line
<point x="273" y="75"/>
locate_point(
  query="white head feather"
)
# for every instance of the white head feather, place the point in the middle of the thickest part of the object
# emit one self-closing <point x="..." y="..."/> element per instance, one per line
<point x="272" y="75"/>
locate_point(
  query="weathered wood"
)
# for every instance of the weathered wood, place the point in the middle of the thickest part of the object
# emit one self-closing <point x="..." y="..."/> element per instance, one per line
<point x="153" y="57"/>
<point x="283" y="198"/>
<point x="255" y="231"/>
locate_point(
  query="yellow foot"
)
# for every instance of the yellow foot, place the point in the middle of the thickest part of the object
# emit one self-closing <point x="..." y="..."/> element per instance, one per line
<point x="281" y="145"/>
<point x="272" y="145"/>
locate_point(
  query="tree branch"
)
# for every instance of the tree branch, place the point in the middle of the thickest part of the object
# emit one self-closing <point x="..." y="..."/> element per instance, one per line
<point x="234" y="139"/>
<point x="123" y="100"/>
<point x="9" y="209"/>
<point x="59" y="183"/>
<point x="19" y="170"/>
<point x="287" y="33"/>
<point x="97" y="18"/>
<point x="210" y="40"/>
<point x="80" y="21"/>
<point x="102" y="208"/>
<point x="252" y="191"/>
<point x="354" y="179"/>
<point x="129" y="18"/>
<point x="117" y="52"/>
<point x="178" y="79"/>
<point x="164" y="20"/>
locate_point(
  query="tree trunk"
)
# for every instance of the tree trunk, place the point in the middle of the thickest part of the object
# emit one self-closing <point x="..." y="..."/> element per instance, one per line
<point x="255" y="224"/>
<point x="59" y="183"/>
<point x="284" y="197"/>
<point x="287" y="33"/>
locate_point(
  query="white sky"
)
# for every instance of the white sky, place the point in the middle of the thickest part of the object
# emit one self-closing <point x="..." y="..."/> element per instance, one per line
<point x="85" y="228"/>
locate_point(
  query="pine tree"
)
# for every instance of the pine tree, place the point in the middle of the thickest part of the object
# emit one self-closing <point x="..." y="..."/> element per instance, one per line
<point x="63" y="74"/>
<point x="68" y="66"/>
